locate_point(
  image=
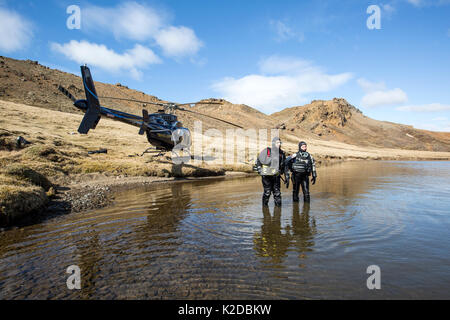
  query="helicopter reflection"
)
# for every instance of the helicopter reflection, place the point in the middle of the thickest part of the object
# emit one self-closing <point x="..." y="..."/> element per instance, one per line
<point x="273" y="242"/>
<point x="89" y="255"/>
<point x="162" y="225"/>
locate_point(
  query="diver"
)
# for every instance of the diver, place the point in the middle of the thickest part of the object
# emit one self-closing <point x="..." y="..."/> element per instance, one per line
<point x="302" y="166"/>
<point x="270" y="164"/>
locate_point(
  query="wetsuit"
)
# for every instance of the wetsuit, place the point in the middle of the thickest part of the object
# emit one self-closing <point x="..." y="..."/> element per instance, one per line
<point x="272" y="183"/>
<point x="301" y="165"/>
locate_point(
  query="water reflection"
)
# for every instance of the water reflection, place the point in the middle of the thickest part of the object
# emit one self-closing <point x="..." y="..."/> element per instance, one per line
<point x="303" y="229"/>
<point x="211" y="239"/>
<point x="164" y="214"/>
<point x="271" y="241"/>
<point x="90" y="258"/>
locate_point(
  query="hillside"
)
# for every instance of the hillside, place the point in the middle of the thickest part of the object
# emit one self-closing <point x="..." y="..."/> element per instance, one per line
<point x="56" y="164"/>
<point x="240" y="114"/>
<point x="337" y="120"/>
<point x="28" y="82"/>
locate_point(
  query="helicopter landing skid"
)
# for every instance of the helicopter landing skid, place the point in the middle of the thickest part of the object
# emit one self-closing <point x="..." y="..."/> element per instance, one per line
<point x="153" y="150"/>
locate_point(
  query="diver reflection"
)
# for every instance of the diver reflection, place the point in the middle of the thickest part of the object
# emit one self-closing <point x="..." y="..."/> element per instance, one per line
<point x="303" y="229"/>
<point x="164" y="217"/>
<point x="271" y="242"/>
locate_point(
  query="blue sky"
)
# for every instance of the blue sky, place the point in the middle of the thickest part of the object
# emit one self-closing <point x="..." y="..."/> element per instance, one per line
<point x="267" y="54"/>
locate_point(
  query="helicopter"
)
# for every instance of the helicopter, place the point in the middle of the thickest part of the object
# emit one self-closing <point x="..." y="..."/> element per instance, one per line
<point x="164" y="131"/>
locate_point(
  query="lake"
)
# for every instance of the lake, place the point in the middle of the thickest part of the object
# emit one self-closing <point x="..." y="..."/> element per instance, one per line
<point x="212" y="239"/>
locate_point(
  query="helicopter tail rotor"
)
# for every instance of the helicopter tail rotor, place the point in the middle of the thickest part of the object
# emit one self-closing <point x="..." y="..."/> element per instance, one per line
<point x="92" y="115"/>
<point x="145" y="120"/>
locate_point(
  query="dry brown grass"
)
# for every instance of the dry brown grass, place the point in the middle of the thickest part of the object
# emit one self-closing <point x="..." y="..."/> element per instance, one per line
<point x="22" y="191"/>
<point x="17" y="201"/>
<point x="57" y="153"/>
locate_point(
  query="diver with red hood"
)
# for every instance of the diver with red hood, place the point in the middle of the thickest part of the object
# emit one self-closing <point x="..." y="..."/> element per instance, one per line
<point x="270" y="164"/>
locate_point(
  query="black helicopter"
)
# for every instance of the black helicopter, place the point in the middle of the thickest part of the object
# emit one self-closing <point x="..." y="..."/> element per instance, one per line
<point x="163" y="129"/>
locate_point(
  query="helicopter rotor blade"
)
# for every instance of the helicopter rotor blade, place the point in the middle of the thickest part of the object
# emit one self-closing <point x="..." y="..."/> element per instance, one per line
<point x="178" y="107"/>
<point x="200" y="102"/>
<point x="205" y="115"/>
<point x="161" y="103"/>
<point x="66" y="93"/>
<point x="133" y="100"/>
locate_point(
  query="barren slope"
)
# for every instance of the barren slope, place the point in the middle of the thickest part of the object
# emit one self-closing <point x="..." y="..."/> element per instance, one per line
<point x="337" y="120"/>
<point x="30" y="83"/>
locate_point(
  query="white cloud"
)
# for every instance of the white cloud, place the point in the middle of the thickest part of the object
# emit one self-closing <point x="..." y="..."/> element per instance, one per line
<point x="129" y="20"/>
<point x="141" y="23"/>
<point x="284" y="32"/>
<point x="369" y="86"/>
<point x="432" y="107"/>
<point x="416" y="3"/>
<point x="100" y="56"/>
<point x="425" y="3"/>
<point x="283" y="87"/>
<point x="15" y="31"/>
<point x="388" y="97"/>
<point x="388" y="9"/>
<point x="283" y="65"/>
<point x="440" y="119"/>
<point x="378" y="95"/>
<point x="178" y="41"/>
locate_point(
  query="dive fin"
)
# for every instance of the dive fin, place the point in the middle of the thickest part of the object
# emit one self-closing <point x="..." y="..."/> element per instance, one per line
<point x="92" y="115"/>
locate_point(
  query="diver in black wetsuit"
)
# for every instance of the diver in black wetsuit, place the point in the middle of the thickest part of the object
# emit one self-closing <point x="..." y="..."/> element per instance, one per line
<point x="270" y="164"/>
<point x="302" y="166"/>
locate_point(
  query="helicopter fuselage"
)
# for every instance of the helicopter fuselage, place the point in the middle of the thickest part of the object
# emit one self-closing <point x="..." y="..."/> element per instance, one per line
<point x="158" y="129"/>
<point x="163" y="130"/>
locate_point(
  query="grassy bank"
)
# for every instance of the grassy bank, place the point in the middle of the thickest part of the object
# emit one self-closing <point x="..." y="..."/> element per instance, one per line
<point x="58" y="156"/>
<point x="30" y="173"/>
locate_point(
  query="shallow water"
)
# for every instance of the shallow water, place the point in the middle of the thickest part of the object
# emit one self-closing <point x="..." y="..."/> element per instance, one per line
<point x="212" y="240"/>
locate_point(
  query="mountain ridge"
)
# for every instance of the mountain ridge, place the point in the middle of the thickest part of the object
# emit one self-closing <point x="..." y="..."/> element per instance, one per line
<point x="28" y="82"/>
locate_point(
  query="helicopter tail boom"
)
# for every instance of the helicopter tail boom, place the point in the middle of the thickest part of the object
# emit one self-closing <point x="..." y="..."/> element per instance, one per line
<point x="92" y="115"/>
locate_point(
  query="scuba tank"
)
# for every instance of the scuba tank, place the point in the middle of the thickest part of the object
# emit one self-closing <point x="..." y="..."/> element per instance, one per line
<point x="302" y="163"/>
<point x="265" y="158"/>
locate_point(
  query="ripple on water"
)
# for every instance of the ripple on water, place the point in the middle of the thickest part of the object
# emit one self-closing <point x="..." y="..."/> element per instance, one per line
<point x="213" y="240"/>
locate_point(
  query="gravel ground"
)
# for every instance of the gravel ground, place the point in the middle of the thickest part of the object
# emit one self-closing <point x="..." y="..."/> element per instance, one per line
<point x="98" y="193"/>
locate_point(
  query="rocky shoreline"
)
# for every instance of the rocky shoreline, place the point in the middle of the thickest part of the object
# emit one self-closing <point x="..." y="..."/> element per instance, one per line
<point x="81" y="193"/>
<point x="90" y="194"/>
